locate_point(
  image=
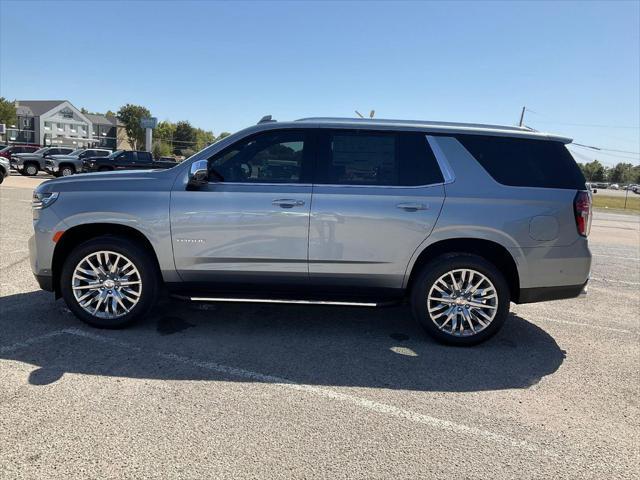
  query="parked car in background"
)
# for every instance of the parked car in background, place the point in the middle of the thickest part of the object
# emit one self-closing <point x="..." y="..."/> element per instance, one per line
<point x="457" y="219"/>
<point x="31" y="163"/>
<point x="614" y="186"/>
<point x="6" y="152"/>
<point x="125" y="160"/>
<point x="4" y="168"/>
<point x="65" y="165"/>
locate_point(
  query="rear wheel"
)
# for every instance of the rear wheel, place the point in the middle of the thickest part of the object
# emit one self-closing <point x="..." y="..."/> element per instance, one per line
<point x="109" y="282"/>
<point x="460" y="299"/>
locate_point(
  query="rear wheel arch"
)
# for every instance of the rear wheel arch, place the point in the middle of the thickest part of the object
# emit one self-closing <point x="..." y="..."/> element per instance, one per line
<point x="81" y="233"/>
<point x="491" y="251"/>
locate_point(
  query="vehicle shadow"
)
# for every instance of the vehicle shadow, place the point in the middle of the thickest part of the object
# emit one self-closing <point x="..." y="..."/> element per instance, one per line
<point x="328" y="346"/>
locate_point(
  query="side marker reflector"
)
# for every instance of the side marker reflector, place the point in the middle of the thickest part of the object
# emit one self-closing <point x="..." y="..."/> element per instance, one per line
<point x="57" y="236"/>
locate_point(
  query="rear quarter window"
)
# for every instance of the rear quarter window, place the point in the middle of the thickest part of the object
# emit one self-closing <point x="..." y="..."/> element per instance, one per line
<point x="523" y="162"/>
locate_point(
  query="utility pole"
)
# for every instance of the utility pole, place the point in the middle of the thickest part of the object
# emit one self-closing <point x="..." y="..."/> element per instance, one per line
<point x="522" y="116"/>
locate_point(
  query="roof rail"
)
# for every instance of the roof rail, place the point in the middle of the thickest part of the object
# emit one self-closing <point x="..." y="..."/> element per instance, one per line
<point x="384" y="121"/>
<point x="266" y="119"/>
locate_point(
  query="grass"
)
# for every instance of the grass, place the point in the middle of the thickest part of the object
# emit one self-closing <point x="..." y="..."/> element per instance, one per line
<point x="617" y="203"/>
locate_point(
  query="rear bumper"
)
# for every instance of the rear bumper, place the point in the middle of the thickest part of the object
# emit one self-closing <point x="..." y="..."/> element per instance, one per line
<point x="545" y="294"/>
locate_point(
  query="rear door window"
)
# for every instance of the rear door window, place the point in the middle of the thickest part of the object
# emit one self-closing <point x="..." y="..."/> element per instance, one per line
<point x="144" y="158"/>
<point x="126" y="158"/>
<point x="362" y="157"/>
<point x="522" y="162"/>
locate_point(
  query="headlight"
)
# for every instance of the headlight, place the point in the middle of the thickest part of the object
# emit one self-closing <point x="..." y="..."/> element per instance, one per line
<point x="43" y="200"/>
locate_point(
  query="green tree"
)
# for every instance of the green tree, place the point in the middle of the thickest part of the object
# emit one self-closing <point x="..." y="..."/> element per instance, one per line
<point x="184" y="137"/>
<point x="594" y="171"/>
<point x="204" y="138"/>
<point x="621" y="173"/>
<point x="7" y="112"/>
<point x="165" y="131"/>
<point x="222" y="135"/>
<point x="161" y="149"/>
<point x="130" y="116"/>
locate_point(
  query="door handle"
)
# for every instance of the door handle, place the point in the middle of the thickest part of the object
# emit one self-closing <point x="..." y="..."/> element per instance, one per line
<point x="412" y="207"/>
<point x="287" y="203"/>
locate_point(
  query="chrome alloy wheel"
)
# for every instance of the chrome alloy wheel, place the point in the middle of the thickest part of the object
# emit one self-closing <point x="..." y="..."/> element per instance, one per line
<point x="106" y="284"/>
<point x="462" y="302"/>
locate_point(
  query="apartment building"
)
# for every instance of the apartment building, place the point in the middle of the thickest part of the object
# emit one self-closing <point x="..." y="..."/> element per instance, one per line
<point x="58" y="122"/>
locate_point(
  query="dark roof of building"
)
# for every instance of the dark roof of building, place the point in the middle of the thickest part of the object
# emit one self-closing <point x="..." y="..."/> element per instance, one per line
<point x="101" y="119"/>
<point x="36" y="108"/>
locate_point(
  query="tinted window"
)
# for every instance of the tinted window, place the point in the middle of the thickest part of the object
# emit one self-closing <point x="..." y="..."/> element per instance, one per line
<point x="271" y="157"/>
<point x="126" y="157"/>
<point x="102" y="153"/>
<point x="144" y="157"/>
<point x="525" y="163"/>
<point x="377" y="158"/>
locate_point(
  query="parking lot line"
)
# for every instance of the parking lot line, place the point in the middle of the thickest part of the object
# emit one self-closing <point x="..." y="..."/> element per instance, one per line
<point x="31" y="341"/>
<point x="364" y="403"/>
<point x="606" y="280"/>
<point x="600" y="327"/>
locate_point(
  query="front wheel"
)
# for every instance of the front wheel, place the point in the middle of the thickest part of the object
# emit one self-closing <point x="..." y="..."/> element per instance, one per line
<point x="460" y="299"/>
<point x="67" y="171"/>
<point x="30" y="170"/>
<point x="109" y="282"/>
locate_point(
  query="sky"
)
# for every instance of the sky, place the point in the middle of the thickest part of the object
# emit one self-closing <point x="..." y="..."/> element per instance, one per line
<point x="223" y="65"/>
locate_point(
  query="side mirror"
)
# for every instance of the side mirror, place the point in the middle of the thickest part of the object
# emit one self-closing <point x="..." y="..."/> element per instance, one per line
<point x="199" y="173"/>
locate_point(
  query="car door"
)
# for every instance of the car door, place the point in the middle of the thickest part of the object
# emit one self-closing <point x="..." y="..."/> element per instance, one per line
<point x="144" y="160"/>
<point x="125" y="161"/>
<point x="376" y="199"/>
<point x="250" y="223"/>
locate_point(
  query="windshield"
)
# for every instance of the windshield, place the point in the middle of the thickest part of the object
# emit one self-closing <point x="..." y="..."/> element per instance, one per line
<point x="42" y="150"/>
<point x="77" y="152"/>
<point x="4" y="148"/>
<point x="115" y="154"/>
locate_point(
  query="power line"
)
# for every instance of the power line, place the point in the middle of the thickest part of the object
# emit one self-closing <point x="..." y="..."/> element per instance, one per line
<point x="603" y="149"/>
<point x="613" y="155"/>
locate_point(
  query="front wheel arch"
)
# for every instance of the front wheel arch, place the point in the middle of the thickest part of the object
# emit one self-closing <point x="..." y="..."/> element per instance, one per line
<point x="81" y="233"/>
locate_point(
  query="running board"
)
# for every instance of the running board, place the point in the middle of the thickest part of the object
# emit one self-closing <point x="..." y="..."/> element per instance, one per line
<point x="275" y="300"/>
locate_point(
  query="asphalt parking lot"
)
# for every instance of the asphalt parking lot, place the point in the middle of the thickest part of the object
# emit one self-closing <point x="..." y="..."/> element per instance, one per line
<point x="268" y="391"/>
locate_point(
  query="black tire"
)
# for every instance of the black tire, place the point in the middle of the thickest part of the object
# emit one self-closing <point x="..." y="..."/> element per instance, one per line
<point x="430" y="274"/>
<point x="30" y="170"/>
<point x="66" y="171"/>
<point x="140" y="258"/>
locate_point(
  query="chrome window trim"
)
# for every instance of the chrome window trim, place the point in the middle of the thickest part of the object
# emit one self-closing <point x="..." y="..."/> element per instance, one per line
<point x="338" y="185"/>
<point x="441" y="158"/>
<point x="333" y="185"/>
<point x="263" y="184"/>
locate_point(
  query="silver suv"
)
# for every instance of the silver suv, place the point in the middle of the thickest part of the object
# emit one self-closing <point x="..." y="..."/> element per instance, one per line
<point x="458" y="219"/>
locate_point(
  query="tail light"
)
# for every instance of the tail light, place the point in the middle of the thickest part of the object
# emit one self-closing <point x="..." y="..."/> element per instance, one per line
<point x="582" y="211"/>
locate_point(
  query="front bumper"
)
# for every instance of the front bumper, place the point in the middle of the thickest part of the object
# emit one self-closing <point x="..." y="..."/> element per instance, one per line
<point x="45" y="282"/>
